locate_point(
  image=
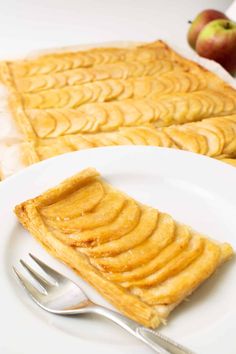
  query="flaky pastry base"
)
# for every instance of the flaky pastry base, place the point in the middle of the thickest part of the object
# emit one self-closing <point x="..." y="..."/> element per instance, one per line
<point x="141" y="94"/>
<point x="139" y="259"/>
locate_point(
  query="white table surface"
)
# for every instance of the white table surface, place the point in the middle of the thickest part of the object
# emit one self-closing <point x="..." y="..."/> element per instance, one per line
<point x="26" y="25"/>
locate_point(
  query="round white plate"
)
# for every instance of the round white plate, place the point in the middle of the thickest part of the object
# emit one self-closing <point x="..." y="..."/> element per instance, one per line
<point x="196" y="190"/>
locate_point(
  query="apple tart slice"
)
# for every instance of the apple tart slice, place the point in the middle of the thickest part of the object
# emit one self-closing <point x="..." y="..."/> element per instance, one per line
<point x="140" y="259"/>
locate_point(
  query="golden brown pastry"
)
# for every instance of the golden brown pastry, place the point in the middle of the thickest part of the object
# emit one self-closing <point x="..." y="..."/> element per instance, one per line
<point x="145" y="94"/>
<point x="140" y="259"/>
<point x="212" y="137"/>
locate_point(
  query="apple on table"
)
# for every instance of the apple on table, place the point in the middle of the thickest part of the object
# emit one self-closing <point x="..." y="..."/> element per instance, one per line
<point x="217" y="41"/>
<point x="213" y="35"/>
<point x="201" y="21"/>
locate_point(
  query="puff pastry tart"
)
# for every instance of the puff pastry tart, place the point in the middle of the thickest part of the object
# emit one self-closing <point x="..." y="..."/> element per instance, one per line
<point x="72" y="100"/>
<point x="140" y="259"/>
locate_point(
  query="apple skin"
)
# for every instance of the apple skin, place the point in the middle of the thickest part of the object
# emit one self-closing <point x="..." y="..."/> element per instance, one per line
<point x="201" y="21"/>
<point x="217" y="41"/>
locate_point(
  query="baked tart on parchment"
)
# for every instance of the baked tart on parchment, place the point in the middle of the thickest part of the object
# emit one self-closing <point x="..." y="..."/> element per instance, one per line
<point x="138" y="258"/>
<point x="141" y="94"/>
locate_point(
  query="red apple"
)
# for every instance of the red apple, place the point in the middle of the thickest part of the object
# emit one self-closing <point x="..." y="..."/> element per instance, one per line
<point x="217" y="41"/>
<point x="201" y="21"/>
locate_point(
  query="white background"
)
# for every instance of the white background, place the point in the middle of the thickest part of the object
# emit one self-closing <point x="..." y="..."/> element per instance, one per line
<point x="26" y="25"/>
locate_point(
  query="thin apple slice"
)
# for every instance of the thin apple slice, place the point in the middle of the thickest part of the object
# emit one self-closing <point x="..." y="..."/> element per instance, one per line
<point x="62" y="64"/>
<point x="163" y="85"/>
<point x="116" y="138"/>
<point x="55" y="81"/>
<point x="160" y="238"/>
<point x="95" y="110"/>
<point x="196" y="109"/>
<point x="33" y="100"/>
<point x="128" y="70"/>
<point x="149" y="135"/>
<point x="62" y="124"/>
<point x="226" y="126"/>
<point x="190" y="82"/>
<point x="105" y="56"/>
<point x="214" y="141"/>
<point x="77" y="120"/>
<point x="141" y="87"/>
<point x="218" y="100"/>
<point x="76" y="204"/>
<point x="79" y="76"/>
<point x="229" y="99"/>
<point x="114" y="71"/>
<point x="112" y="231"/>
<point x="115" y="117"/>
<point x="100" y="139"/>
<point x="78" y="142"/>
<point x="110" y="207"/>
<point x="52" y="65"/>
<point x="134" y="137"/>
<point x="49" y="99"/>
<point x="59" y="81"/>
<point x="182" y="108"/>
<point x="138" y="69"/>
<point x="159" y="67"/>
<point x="66" y="98"/>
<point x="106" y="90"/>
<point x="129" y="112"/>
<point x="117" y="87"/>
<point x="183" y="139"/>
<point x="92" y="125"/>
<point x="140" y="54"/>
<point x="175" y="266"/>
<point x="99" y="73"/>
<point x="127" y="240"/>
<point x="179" y="244"/>
<point x="35" y="83"/>
<point x="208" y="104"/>
<point x="213" y="128"/>
<point x="80" y="96"/>
<point x="92" y="58"/>
<point x="161" y="111"/>
<point x="201" y="140"/>
<point x="96" y="92"/>
<point x="185" y="82"/>
<point x="127" y="91"/>
<point x="179" y="286"/>
<point x="80" y="60"/>
<point x="165" y="139"/>
<point x="43" y="123"/>
<point x="147" y="112"/>
<point x="167" y="109"/>
<point x="40" y="68"/>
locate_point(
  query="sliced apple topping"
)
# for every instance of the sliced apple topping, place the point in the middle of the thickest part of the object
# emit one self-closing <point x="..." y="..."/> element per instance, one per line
<point x="180" y="285"/>
<point x="158" y="240"/>
<point x="179" y="244"/>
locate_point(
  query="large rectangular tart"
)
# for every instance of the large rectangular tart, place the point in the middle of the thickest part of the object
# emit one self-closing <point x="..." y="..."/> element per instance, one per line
<point x="141" y="94"/>
<point x="140" y="259"/>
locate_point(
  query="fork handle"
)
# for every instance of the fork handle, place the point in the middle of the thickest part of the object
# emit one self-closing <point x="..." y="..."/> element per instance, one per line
<point x="155" y="340"/>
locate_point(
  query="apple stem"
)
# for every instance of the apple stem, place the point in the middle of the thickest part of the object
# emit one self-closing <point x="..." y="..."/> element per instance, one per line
<point x="227" y="25"/>
<point x="190" y="22"/>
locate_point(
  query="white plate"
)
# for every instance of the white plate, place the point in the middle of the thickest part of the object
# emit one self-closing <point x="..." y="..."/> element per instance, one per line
<point x="196" y="190"/>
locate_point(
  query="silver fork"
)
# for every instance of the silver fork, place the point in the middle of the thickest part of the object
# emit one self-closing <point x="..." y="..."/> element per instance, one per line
<point x="62" y="296"/>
